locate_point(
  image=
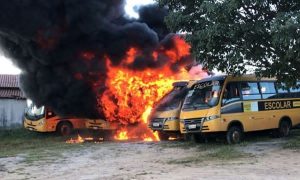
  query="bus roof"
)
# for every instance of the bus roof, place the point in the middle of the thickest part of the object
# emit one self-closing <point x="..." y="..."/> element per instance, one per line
<point x="249" y="77"/>
<point x="246" y="77"/>
<point x="180" y="83"/>
<point x="212" y="78"/>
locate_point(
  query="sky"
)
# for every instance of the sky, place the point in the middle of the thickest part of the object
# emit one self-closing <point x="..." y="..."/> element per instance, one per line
<point x="7" y="67"/>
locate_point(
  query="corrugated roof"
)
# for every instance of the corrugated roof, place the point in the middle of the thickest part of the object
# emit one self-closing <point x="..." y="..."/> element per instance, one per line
<point x="9" y="87"/>
<point x="11" y="93"/>
<point x="9" y="81"/>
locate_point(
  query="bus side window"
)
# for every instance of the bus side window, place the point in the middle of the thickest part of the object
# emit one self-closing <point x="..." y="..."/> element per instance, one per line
<point x="231" y="93"/>
<point x="250" y="90"/>
<point x="282" y="90"/>
<point x="268" y="90"/>
<point x="295" y="91"/>
<point x="49" y="113"/>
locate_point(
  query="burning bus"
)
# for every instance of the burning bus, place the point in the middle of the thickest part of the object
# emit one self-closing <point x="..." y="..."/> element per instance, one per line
<point x="165" y="116"/>
<point x="99" y="124"/>
<point x="101" y="128"/>
<point x="42" y="119"/>
<point x="105" y="66"/>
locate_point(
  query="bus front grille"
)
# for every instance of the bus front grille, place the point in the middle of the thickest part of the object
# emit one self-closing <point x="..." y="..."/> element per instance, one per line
<point x="157" y="123"/>
<point x="193" y="125"/>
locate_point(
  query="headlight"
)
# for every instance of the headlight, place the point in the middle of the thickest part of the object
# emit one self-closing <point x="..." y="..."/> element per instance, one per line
<point x="209" y="118"/>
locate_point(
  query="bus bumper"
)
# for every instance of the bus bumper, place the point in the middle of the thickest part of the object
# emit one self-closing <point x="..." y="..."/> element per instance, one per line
<point x="38" y="126"/>
<point x="162" y="124"/>
<point x="202" y="126"/>
<point x="98" y="124"/>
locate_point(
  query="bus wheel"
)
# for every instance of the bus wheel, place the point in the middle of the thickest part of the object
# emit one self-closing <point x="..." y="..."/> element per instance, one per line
<point x="187" y="137"/>
<point x="163" y="136"/>
<point x="198" y="138"/>
<point x="64" y="129"/>
<point x="108" y="135"/>
<point x="234" y="135"/>
<point x="284" y="129"/>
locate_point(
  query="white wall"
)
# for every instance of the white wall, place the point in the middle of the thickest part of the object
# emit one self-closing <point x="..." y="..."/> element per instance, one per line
<point x="11" y="112"/>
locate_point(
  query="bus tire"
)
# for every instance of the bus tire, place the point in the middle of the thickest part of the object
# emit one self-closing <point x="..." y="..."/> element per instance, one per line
<point x="187" y="137"/>
<point x="284" y="128"/>
<point x="198" y="138"/>
<point x="234" y="135"/>
<point x="108" y="135"/>
<point x="163" y="136"/>
<point x="64" y="128"/>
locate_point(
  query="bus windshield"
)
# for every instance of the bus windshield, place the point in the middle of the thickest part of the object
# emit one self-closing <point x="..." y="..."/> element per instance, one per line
<point x="203" y="95"/>
<point x="35" y="112"/>
<point x="173" y="99"/>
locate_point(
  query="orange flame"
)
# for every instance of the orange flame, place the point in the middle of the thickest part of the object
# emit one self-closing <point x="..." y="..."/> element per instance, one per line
<point x="75" y="141"/>
<point x="122" y="135"/>
<point x="81" y="139"/>
<point x="131" y="94"/>
<point x="150" y="139"/>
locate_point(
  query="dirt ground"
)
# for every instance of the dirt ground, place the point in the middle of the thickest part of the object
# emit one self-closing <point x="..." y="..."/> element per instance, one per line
<point x="159" y="160"/>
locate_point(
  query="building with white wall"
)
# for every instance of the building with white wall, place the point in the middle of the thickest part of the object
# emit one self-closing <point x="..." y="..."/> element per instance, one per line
<point x="12" y="102"/>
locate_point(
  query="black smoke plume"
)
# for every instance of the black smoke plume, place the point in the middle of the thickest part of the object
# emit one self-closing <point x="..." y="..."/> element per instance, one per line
<point x="60" y="46"/>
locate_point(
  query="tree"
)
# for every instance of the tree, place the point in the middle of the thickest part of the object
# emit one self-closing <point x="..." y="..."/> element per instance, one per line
<point x="235" y="35"/>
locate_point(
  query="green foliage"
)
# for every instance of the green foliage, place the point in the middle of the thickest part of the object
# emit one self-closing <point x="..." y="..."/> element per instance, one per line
<point x="235" y="35"/>
<point x="35" y="146"/>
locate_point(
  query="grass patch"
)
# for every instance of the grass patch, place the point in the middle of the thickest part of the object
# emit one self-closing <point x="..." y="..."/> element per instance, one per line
<point x="187" y="160"/>
<point x="209" y="151"/>
<point x="221" y="151"/>
<point x="179" y="144"/>
<point x="35" y="146"/>
<point x="293" y="140"/>
<point x="226" y="152"/>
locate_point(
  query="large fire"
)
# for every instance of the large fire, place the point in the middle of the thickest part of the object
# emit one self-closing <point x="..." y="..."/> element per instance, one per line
<point x="130" y="94"/>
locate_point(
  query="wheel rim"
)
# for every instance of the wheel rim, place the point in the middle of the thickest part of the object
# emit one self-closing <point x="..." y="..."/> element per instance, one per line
<point x="236" y="136"/>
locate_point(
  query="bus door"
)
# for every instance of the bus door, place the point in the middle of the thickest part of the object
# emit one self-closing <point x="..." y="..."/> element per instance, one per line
<point x="251" y="96"/>
<point x="232" y="105"/>
<point x="268" y="92"/>
<point x="51" y="120"/>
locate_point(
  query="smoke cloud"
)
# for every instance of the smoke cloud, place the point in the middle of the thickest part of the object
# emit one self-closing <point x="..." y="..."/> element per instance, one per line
<point x="61" y="47"/>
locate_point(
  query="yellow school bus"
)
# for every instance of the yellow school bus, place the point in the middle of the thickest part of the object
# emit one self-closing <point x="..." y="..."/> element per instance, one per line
<point x="101" y="128"/>
<point x="98" y="124"/>
<point x="165" y="116"/>
<point x="42" y="119"/>
<point x="234" y="105"/>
